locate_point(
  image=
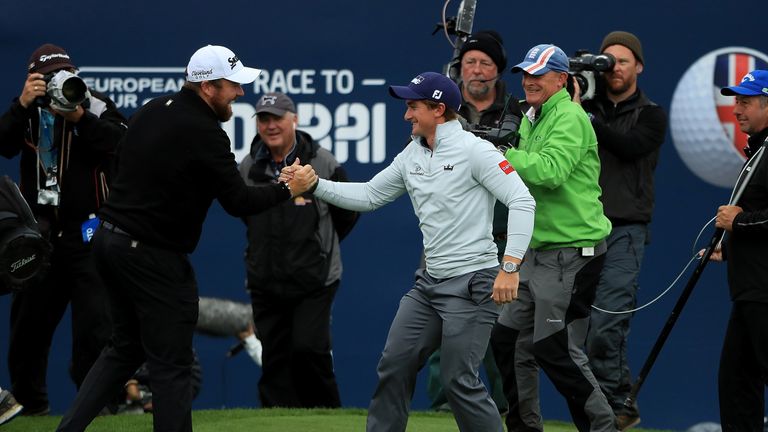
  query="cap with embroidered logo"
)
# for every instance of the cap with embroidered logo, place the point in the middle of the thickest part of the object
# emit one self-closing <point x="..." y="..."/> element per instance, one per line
<point x="213" y="62"/>
<point x="275" y="103"/>
<point x="542" y="59"/>
<point x="49" y="58"/>
<point x="754" y="83"/>
<point x="430" y="86"/>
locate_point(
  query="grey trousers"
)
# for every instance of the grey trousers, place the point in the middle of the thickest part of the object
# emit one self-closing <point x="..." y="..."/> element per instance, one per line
<point x="608" y="333"/>
<point x="457" y="315"/>
<point x="547" y="327"/>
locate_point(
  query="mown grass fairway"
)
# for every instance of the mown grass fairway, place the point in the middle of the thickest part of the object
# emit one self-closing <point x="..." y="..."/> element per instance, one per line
<point x="263" y="420"/>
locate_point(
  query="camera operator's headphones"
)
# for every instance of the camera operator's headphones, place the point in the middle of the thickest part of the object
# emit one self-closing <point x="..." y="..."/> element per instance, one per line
<point x="454" y="72"/>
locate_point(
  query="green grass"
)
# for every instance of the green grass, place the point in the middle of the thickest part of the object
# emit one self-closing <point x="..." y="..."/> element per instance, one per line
<point x="262" y="420"/>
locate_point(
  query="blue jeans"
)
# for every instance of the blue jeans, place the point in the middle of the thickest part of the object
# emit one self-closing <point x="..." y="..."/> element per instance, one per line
<point x="616" y="291"/>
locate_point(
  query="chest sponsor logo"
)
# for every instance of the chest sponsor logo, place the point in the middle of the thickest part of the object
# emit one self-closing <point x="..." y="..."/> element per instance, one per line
<point x="417" y="170"/>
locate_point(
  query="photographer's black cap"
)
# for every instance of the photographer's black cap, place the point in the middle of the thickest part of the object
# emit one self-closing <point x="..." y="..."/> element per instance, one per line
<point x="49" y="58"/>
<point x="626" y="39"/>
<point x="489" y="42"/>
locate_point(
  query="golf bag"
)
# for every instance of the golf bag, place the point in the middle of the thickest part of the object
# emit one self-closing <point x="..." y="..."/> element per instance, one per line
<point x="24" y="253"/>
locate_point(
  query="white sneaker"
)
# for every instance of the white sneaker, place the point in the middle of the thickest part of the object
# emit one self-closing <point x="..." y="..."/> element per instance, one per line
<point x="9" y="408"/>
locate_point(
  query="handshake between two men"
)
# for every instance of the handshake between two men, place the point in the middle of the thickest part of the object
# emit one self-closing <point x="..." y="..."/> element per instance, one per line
<point x="298" y="178"/>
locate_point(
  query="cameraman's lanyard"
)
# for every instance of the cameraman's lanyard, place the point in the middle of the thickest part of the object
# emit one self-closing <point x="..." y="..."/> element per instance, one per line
<point x="47" y="154"/>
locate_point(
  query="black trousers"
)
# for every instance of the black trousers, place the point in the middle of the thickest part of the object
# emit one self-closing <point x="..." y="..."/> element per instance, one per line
<point x="37" y="311"/>
<point x="297" y="368"/>
<point x="154" y="306"/>
<point x="743" y="372"/>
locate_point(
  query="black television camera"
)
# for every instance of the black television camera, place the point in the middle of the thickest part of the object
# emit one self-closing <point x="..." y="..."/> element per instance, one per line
<point x="460" y="27"/>
<point x="584" y="67"/>
<point x="64" y="91"/>
<point x="506" y="135"/>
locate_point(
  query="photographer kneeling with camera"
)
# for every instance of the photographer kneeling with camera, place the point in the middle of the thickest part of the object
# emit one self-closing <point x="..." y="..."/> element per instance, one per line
<point x="66" y="136"/>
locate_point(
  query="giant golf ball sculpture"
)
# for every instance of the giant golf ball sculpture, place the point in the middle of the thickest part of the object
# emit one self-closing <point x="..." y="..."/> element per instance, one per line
<point x="704" y="129"/>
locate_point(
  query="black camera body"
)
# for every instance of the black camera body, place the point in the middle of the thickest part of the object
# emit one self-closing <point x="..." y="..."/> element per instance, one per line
<point x="585" y="67"/>
<point x="64" y="91"/>
<point x="504" y="136"/>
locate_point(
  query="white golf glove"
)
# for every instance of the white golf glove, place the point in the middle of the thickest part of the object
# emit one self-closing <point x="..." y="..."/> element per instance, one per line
<point x="253" y="348"/>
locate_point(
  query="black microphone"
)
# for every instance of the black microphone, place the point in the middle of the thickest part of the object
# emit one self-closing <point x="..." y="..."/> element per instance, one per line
<point x="486" y="80"/>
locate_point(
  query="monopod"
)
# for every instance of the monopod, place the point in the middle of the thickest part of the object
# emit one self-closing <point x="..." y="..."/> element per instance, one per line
<point x="741" y="183"/>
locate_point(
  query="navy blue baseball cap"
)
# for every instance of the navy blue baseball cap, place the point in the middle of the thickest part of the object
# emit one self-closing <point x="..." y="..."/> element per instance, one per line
<point x="754" y="83"/>
<point x="430" y="86"/>
<point x="542" y="59"/>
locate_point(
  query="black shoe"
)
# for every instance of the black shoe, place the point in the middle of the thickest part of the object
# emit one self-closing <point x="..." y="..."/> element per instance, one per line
<point x="9" y="408"/>
<point x="627" y="421"/>
<point x="37" y="412"/>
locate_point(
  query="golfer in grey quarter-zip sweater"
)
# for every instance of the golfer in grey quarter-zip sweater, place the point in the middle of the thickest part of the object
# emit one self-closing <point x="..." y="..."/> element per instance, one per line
<point x="452" y="190"/>
<point x="453" y="179"/>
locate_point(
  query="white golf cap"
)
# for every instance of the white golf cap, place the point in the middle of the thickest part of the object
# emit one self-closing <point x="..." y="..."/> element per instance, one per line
<point x="213" y="62"/>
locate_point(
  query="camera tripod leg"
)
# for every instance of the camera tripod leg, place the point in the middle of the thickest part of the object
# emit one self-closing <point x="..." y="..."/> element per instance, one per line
<point x="673" y="316"/>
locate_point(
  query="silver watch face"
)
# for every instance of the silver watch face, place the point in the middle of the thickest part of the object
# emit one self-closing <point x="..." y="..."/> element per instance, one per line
<point x="510" y="267"/>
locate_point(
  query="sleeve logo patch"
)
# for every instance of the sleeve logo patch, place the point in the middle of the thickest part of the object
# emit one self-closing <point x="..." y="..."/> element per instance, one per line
<point x="506" y="167"/>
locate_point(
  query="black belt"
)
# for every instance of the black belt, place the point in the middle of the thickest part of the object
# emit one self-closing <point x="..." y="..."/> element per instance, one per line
<point x="111" y="227"/>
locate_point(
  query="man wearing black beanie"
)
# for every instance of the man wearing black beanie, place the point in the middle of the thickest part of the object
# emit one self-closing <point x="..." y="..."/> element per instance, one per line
<point x="482" y="60"/>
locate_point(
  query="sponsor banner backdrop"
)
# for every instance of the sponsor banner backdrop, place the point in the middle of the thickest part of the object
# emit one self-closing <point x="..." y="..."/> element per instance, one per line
<point x="336" y="60"/>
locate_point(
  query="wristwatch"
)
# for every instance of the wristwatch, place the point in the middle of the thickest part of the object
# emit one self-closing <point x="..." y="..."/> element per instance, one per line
<point x="286" y="187"/>
<point x="510" y="267"/>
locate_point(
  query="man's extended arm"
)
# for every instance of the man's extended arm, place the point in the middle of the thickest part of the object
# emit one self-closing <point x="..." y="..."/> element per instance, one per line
<point x="383" y="188"/>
